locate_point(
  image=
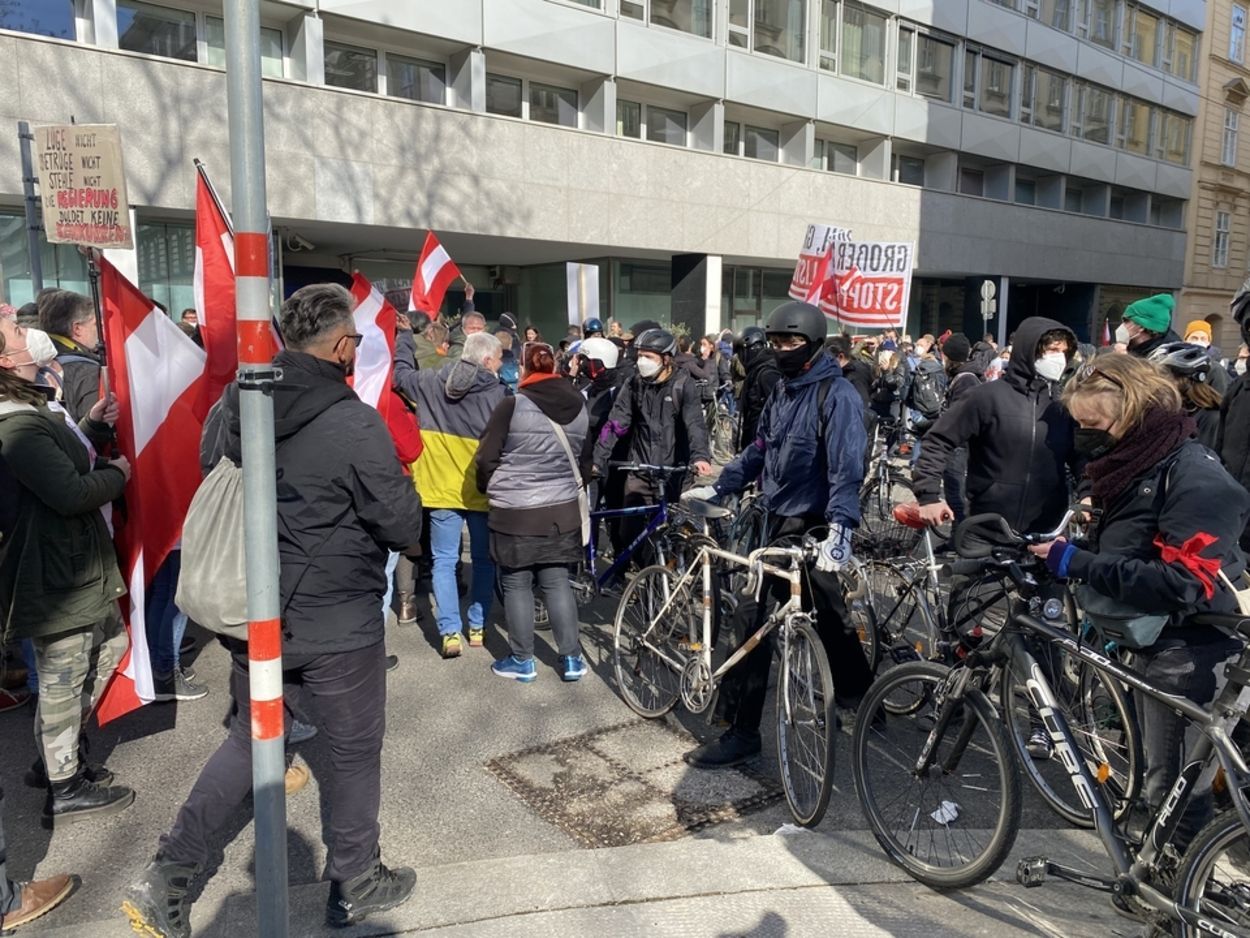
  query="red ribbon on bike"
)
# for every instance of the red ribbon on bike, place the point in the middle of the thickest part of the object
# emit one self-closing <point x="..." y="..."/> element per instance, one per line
<point x="1188" y="555"/>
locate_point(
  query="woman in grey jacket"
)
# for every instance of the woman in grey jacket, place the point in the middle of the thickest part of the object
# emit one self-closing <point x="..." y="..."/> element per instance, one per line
<point x="525" y="465"/>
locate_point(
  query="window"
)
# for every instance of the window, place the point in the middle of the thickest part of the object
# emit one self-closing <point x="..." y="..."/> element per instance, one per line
<point x="760" y="144"/>
<point x="270" y="47"/>
<point x="665" y="126"/>
<point x="1141" y="39"/>
<point x="1219" y="249"/>
<point x="733" y="137"/>
<point x="971" y="182"/>
<point x="773" y="27"/>
<point x="350" y="67"/>
<point x="1026" y="191"/>
<point x="1173" y="144"/>
<point x="1096" y="21"/>
<point x="903" y="62"/>
<point x="863" y="43"/>
<point x="42" y="17"/>
<point x="1133" y="130"/>
<point x="1043" y="98"/>
<point x="690" y="16"/>
<point x="829" y="35"/>
<point x="165" y="256"/>
<point x="842" y="158"/>
<point x="503" y="95"/>
<point x="550" y="105"/>
<point x="1055" y="13"/>
<point x="587" y="3"/>
<point x="629" y="119"/>
<point x="909" y="170"/>
<point x="1179" y="49"/>
<point x="1228" y="155"/>
<point x="987" y="83"/>
<point x="1237" y="34"/>
<point x="935" y="61"/>
<point x="416" y="80"/>
<point x="1073" y="198"/>
<point x="144" y="27"/>
<point x="633" y="9"/>
<point x="1092" y="119"/>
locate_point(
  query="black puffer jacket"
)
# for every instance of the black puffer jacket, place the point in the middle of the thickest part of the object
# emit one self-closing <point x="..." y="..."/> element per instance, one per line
<point x="1233" y="442"/>
<point x="343" y="502"/>
<point x="664" y="423"/>
<point x="762" y="376"/>
<point x="1019" y="440"/>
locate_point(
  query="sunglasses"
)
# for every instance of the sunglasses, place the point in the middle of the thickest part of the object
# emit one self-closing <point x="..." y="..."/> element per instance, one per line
<point x="356" y="338"/>
<point x="1090" y="368"/>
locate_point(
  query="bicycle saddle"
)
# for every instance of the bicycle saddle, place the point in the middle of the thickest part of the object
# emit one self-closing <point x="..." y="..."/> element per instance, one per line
<point x="908" y="514"/>
<point x="705" y="509"/>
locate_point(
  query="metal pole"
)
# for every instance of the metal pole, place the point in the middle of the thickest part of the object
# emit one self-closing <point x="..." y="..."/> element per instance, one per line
<point x="1004" y="290"/>
<point x="25" y="138"/>
<point x="256" y="377"/>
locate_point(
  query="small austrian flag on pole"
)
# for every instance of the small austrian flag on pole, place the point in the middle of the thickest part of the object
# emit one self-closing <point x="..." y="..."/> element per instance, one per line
<point x="435" y="272"/>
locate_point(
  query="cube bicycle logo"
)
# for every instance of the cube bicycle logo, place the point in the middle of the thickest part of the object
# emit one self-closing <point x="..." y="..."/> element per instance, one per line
<point x="1043" y="702"/>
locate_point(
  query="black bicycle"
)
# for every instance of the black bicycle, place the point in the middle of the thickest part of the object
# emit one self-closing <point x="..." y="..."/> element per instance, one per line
<point x="940" y="789"/>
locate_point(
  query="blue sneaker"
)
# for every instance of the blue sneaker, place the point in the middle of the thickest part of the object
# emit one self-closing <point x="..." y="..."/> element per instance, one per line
<point x="518" y="669"/>
<point x="574" y="667"/>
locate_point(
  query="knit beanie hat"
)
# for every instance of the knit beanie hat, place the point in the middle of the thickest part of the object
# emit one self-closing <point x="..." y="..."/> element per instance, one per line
<point x="1198" y="325"/>
<point x="957" y="348"/>
<point x="1154" y="313"/>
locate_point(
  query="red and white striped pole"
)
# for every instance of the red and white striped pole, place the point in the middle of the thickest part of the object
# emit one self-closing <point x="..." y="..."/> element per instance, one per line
<point x="256" y="377"/>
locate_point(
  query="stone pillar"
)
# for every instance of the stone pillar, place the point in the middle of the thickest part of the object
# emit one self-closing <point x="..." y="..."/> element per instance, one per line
<point x="599" y="105"/>
<point x="305" y="37"/>
<point x="468" y="81"/>
<point x="707" y="126"/>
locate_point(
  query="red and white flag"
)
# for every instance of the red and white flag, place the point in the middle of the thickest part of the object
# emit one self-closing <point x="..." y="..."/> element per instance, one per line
<point x="375" y="321"/>
<point x="214" y="292"/>
<point x="819" y="287"/>
<point x="1106" y="332"/>
<point x="158" y="375"/>
<point x="435" y="273"/>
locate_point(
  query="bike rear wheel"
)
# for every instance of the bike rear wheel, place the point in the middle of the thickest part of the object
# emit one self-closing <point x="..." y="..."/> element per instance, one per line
<point x="879" y="534"/>
<point x="953" y="825"/>
<point x="1214" y="878"/>
<point x="806" y="725"/>
<point x="647" y="648"/>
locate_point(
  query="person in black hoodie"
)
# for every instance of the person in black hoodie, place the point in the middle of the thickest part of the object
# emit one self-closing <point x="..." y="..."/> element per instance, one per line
<point x="1019" y="437"/>
<point x="762" y="375"/>
<point x="343" y="502"/>
<point x="1233" y="441"/>
<point x="963" y="374"/>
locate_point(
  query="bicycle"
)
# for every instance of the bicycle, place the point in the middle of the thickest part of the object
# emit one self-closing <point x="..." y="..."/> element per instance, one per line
<point x="662" y="652"/>
<point x="885" y="485"/>
<point x="964" y="748"/>
<point x="722" y="425"/>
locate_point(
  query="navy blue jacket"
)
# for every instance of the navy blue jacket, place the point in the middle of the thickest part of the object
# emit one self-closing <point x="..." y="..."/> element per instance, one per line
<point x="799" y="481"/>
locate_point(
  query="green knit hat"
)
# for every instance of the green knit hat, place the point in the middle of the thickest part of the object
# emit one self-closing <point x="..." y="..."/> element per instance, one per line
<point x="1154" y="313"/>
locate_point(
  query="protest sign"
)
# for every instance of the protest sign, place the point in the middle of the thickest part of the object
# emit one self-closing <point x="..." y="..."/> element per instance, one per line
<point x="82" y="185"/>
<point x="866" y="284"/>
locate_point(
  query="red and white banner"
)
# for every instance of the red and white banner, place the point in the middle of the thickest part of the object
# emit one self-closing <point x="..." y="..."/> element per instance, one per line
<point x="435" y="273"/>
<point x="865" y="284"/>
<point x="214" y="292"/>
<point x="375" y="321"/>
<point x="157" y="374"/>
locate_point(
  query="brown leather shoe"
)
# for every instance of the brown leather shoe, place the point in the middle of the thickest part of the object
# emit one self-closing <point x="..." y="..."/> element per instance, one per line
<point x="296" y="778"/>
<point x="39" y="898"/>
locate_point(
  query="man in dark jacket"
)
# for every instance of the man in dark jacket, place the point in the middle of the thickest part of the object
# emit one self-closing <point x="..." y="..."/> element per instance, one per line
<point x="762" y="375"/>
<point x="1233" y="443"/>
<point x="69" y="319"/>
<point x="1019" y="437"/>
<point x="343" y="502"/>
<point x="963" y="374"/>
<point x="855" y="370"/>
<point x="809" y="454"/>
<point x="1147" y="324"/>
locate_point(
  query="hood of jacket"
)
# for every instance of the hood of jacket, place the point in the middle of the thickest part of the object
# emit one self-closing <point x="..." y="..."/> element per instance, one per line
<point x="1020" y="372"/>
<point x="556" y="398"/>
<point x="460" y="377"/>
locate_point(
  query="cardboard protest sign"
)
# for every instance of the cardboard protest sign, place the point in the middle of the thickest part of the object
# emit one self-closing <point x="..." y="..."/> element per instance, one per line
<point x="82" y="185"/>
<point x="866" y="284"/>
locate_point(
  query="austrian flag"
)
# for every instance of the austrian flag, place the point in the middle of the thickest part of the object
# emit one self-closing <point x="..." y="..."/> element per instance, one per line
<point x="375" y="321"/>
<point x="435" y="273"/>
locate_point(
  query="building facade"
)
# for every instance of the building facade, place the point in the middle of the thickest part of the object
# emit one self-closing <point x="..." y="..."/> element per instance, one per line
<point x="1218" y="258"/>
<point x="682" y="146"/>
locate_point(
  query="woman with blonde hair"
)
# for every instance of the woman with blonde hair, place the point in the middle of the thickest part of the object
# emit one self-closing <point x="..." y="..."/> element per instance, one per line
<point x="1168" y="518"/>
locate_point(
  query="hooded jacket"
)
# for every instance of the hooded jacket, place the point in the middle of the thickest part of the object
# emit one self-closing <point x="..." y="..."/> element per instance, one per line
<point x="762" y="376"/>
<point x="1233" y="440"/>
<point x="663" y="420"/>
<point x="343" y="503"/>
<point x="454" y="405"/>
<point x="80" y="383"/>
<point x="812" y="462"/>
<point x="1019" y="439"/>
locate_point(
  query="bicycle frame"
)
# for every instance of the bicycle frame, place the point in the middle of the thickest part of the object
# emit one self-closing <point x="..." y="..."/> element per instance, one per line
<point x="659" y="517"/>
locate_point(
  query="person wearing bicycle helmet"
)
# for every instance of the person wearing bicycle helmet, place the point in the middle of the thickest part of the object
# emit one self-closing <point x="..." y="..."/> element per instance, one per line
<point x="659" y="411"/>
<point x="1191" y="369"/>
<point x="762" y="375"/>
<point x="1169" y="518"/>
<point x="808" y="455"/>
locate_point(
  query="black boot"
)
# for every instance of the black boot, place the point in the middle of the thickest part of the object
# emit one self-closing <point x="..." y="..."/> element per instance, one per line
<point x="375" y="890"/>
<point x="732" y="748"/>
<point x="78" y="798"/>
<point x="156" y="903"/>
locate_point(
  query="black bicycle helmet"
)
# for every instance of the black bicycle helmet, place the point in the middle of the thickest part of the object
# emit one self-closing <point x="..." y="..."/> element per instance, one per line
<point x="1184" y="359"/>
<point x="795" y="318"/>
<point x="592" y="327"/>
<point x="753" y="337"/>
<point x="656" y="340"/>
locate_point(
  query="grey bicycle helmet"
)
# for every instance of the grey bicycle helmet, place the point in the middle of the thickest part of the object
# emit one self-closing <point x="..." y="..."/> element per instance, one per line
<point x="1184" y="359"/>
<point x="659" y="341"/>
<point x="795" y="318"/>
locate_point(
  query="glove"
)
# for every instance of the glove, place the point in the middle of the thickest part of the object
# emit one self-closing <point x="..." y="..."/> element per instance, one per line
<point x="701" y="493"/>
<point x="835" y="550"/>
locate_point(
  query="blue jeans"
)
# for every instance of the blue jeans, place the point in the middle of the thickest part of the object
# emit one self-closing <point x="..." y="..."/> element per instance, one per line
<point x="392" y="562"/>
<point x="446" y="524"/>
<point x="165" y="624"/>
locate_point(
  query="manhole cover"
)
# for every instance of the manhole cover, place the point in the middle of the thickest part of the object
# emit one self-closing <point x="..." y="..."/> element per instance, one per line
<point x="627" y="784"/>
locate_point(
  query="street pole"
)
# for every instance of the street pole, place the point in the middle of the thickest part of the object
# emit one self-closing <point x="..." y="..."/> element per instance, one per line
<point x="25" y="138"/>
<point x="256" y="377"/>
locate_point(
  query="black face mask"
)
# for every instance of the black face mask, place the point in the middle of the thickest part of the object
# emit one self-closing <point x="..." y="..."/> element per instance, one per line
<point x="792" y="361"/>
<point x="1093" y="444"/>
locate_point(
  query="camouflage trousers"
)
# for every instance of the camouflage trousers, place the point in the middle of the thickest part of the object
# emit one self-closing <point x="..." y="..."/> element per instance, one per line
<point x="74" y="668"/>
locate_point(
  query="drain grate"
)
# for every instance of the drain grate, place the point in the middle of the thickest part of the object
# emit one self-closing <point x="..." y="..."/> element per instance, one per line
<point x="627" y="784"/>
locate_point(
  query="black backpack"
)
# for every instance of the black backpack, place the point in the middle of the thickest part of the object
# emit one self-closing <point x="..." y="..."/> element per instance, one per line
<point x="928" y="389"/>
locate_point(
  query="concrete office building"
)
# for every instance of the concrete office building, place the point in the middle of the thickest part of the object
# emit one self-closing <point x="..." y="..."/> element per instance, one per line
<point x="683" y="146"/>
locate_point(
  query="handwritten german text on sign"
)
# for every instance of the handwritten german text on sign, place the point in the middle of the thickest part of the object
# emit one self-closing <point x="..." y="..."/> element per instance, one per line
<point x="858" y="283"/>
<point x="82" y="185"/>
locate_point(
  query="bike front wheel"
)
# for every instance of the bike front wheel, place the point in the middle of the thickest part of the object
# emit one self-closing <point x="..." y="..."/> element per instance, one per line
<point x="651" y="641"/>
<point x="1213" y="881"/>
<point x="951" y="823"/>
<point x="806" y="725"/>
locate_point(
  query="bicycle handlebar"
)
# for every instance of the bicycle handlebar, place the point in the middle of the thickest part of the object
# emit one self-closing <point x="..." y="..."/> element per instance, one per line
<point x="995" y="533"/>
<point x="645" y="467"/>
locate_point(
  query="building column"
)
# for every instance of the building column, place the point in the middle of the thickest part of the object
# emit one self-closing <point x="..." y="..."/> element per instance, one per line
<point x="305" y="36"/>
<point x="798" y="143"/>
<point x="468" y="81"/>
<point x="99" y="25"/>
<point x="599" y="105"/>
<point x="874" y="158"/>
<point x="707" y="126"/>
<point x="696" y="292"/>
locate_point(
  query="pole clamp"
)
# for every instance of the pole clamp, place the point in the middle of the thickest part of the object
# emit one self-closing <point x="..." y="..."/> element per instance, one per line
<point x="259" y="378"/>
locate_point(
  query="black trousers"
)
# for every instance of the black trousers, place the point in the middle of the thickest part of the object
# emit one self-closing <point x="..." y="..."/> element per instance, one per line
<point x="746" y="685"/>
<point x="347" y="692"/>
<point x="10" y="893"/>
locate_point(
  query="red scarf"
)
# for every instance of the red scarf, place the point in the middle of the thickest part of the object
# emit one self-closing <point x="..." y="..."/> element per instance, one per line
<point x="1142" y="448"/>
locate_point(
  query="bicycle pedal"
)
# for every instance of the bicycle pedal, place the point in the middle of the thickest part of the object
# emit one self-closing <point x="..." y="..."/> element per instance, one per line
<point x="1032" y="871"/>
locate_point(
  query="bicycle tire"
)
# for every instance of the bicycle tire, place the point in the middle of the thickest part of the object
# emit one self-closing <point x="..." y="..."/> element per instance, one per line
<point x="806" y="726"/>
<point x="1225" y="902"/>
<point x="1103" y="724"/>
<point x="648" y="681"/>
<point x="886" y="747"/>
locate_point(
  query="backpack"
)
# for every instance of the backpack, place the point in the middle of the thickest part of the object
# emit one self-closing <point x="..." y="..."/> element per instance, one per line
<point x="212" y="587"/>
<point x="927" y="392"/>
<point x="510" y="373"/>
